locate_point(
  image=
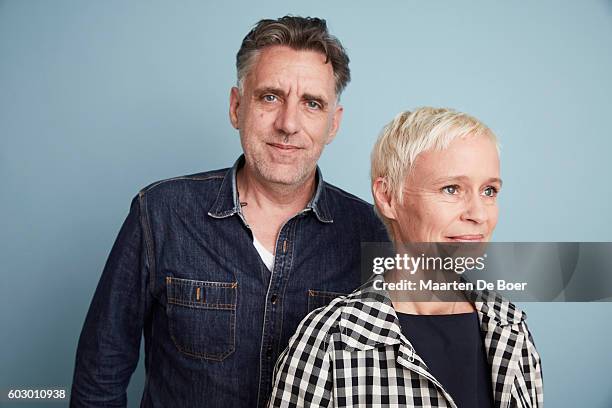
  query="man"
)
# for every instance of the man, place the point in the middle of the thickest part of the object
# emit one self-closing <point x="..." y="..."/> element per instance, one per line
<point x="435" y="178"/>
<point x="217" y="268"/>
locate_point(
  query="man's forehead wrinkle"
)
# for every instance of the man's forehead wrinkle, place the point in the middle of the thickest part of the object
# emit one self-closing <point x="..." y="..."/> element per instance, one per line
<point x="291" y="76"/>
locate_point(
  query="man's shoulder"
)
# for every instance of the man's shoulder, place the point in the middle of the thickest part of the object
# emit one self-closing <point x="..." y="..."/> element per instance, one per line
<point x="195" y="180"/>
<point x="346" y="205"/>
<point x="336" y="193"/>
<point x="347" y="208"/>
<point x="191" y="192"/>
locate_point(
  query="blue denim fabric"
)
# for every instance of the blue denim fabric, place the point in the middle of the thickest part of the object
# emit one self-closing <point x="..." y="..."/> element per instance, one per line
<point x="184" y="272"/>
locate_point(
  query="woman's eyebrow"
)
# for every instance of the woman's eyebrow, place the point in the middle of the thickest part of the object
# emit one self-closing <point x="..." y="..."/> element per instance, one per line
<point x="495" y="180"/>
<point x="450" y="179"/>
<point x="462" y="178"/>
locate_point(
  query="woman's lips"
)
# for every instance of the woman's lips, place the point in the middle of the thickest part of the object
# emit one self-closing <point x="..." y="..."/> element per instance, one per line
<point x="467" y="238"/>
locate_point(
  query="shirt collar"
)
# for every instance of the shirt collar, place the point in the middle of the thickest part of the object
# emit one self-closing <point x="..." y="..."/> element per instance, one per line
<point x="227" y="203"/>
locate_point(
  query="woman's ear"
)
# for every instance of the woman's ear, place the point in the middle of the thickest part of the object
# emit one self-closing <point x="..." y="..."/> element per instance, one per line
<point x="384" y="198"/>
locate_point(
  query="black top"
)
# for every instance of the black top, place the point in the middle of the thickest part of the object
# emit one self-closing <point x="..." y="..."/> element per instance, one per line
<point x="452" y="348"/>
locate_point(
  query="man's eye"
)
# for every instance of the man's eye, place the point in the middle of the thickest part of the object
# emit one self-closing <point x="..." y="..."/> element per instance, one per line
<point x="313" y="105"/>
<point x="490" y="191"/>
<point x="270" y="98"/>
<point x="452" y="190"/>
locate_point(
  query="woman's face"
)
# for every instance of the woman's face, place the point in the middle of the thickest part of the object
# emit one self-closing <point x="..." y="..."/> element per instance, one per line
<point x="450" y="195"/>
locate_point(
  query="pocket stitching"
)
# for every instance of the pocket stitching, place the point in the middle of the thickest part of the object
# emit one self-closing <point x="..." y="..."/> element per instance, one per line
<point x="321" y="294"/>
<point x="210" y="306"/>
<point x="202" y="305"/>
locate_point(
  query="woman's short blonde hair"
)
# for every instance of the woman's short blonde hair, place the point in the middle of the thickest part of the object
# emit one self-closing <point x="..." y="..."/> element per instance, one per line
<point x="411" y="133"/>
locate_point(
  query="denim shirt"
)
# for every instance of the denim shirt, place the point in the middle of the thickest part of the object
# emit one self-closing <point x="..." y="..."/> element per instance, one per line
<point x="184" y="272"/>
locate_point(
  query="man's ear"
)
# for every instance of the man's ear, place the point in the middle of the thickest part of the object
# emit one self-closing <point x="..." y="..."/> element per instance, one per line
<point x="384" y="198"/>
<point x="233" y="108"/>
<point x="338" y="111"/>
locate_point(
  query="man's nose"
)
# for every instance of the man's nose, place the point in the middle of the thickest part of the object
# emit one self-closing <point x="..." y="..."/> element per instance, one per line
<point x="475" y="209"/>
<point x="288" y="119"/>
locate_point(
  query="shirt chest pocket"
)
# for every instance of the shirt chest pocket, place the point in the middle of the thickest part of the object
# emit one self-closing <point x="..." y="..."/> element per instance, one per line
<point x="202" y="317"/>
<point x="320" y="298"/>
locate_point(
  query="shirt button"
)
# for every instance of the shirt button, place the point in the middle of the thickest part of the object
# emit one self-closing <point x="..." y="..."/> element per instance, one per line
<point x="273" y="299"/>
<point x="269" y="352"/>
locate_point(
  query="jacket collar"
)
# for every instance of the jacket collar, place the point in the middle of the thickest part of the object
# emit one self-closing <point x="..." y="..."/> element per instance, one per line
<point x="500" y="310"/>
<point x="227" y="203"/>
<point x="368" y="320"/>
<point x="367" y="303"/>
<point x="386" y="329"/>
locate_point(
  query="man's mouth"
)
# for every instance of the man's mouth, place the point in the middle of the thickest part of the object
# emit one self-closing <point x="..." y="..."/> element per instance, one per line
<point x="467" y="238"/>
<point x="285" y="147"/>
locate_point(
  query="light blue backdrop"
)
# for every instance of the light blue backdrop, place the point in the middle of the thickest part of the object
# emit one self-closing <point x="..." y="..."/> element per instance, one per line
<point x="98" y="99"/>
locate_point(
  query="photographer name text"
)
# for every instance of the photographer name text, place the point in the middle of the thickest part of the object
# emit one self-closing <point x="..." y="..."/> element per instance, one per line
<point x="430" y="285"/>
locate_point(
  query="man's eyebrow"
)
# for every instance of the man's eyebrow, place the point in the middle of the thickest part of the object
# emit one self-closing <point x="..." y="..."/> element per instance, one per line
<point x="278" y="91"/>
<point x="316" y="98"/>
<point x="465" y="178"/>
<point x="269" y="90"/>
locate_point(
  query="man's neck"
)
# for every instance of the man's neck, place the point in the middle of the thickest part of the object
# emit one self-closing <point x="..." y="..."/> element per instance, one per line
<point x="274" y="197"/>
<point x="267" y="206"/>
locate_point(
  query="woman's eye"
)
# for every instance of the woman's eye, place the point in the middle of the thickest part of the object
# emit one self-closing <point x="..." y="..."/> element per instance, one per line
<point x="452" y="190"/>
<point x="269" y="98"/>
<point x="490" y="191"/>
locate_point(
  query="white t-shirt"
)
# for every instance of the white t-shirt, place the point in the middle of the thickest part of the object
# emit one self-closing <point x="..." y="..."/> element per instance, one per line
<point x="266" y="256"/>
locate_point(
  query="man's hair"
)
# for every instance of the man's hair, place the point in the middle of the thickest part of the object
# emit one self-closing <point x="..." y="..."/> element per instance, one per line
<point x="298" y="33"/>
<point x="411" y="133"/>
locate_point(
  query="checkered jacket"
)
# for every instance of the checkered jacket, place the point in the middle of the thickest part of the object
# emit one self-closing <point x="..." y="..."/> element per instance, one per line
<point x="352" y="353"/>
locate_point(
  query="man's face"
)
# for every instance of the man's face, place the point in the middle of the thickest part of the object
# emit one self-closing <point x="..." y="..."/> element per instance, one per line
<point x="286" y="114"/>
<point x="451" y="195"/>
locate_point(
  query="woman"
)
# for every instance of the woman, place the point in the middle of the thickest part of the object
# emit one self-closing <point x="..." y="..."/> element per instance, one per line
<point x="435" y="178"/>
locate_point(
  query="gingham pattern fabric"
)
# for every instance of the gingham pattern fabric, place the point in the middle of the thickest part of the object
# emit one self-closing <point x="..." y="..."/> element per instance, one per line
<point x="352" y="353"/>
